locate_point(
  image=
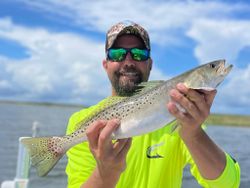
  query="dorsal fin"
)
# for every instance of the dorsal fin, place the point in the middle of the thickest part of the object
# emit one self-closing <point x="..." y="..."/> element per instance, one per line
<point x="145" y="86"/>
<point x="109" y="101"/>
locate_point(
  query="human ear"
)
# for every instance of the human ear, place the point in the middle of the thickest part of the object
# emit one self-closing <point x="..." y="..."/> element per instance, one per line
<point x="105" y="64"/>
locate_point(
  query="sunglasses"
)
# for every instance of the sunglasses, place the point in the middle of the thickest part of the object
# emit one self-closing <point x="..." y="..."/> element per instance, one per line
<point x="119" y="54"/>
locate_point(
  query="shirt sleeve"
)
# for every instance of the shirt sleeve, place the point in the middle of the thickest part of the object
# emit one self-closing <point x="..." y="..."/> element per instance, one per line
<point x="81" y="162"/>
<point x="230" y="177"/>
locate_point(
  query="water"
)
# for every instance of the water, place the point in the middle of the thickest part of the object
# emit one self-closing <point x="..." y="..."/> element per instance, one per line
<point x="233" y="140"/>
<point x="16" y="121"/>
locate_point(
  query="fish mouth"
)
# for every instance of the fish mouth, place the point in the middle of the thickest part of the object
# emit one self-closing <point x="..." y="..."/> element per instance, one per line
<point x="224" y="68"/>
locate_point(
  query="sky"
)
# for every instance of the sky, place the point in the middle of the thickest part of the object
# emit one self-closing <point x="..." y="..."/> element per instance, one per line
<point x="52" y="50"/>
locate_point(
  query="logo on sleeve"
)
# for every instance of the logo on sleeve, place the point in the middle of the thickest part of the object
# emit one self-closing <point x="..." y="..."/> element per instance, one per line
<point x="152" y="151"/>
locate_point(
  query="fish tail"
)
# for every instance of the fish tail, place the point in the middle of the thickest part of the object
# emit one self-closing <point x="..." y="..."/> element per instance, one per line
<point x="44" y="152"/>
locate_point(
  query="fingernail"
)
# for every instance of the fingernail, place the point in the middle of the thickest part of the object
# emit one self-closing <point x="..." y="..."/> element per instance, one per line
<point x="103" y="121"/>
<point x="117" y="121"/>
<point x="181" y="86"/>
<point x="173" y="93"/>
<point x="171" y="107"/>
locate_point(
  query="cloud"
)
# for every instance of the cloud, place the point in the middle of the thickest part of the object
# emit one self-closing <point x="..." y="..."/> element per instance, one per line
<point x="219" y="38"/>
<point x="165" y="20"/>
<point x="225" y="39"/>
<point x="234" y="95"/>
<point x="61" y="67"/>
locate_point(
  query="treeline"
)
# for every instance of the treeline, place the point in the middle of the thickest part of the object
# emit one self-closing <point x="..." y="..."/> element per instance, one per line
<point x="230" y="120"/>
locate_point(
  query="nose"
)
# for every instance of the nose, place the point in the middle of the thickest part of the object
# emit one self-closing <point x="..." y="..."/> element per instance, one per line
<point x="128" y="61"/>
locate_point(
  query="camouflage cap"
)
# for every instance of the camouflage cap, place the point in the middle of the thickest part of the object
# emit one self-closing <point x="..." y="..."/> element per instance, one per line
<point x="126" y="27"/>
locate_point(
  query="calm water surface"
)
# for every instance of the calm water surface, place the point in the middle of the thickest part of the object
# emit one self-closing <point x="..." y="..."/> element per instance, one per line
<point x="16" y="121"/>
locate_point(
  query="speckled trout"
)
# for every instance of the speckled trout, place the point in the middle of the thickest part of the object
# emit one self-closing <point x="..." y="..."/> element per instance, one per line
<point x="141" y="113"/>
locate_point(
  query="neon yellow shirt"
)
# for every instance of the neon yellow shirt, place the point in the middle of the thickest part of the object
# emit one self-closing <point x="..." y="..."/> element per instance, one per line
<point x="155" y="160"/>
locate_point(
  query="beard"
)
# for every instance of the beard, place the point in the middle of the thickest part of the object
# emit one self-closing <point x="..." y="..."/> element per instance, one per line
<point x="125" y="81"/>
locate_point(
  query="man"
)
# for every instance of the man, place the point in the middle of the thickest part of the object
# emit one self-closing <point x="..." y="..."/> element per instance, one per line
<point x="157" y="159"/>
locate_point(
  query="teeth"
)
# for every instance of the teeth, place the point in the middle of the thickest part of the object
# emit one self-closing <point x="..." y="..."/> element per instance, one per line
<point x="129" y="74"/>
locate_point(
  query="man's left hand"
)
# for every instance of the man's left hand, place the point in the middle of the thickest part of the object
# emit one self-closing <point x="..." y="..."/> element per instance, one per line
<point x="197" y="104"/>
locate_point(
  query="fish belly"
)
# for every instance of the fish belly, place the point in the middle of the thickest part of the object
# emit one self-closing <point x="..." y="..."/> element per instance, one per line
<point x="144" y="122"/>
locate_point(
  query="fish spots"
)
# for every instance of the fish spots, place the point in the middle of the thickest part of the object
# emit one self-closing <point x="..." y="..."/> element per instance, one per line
<point x="125" y="108"/>
<point x="55" y="147"/>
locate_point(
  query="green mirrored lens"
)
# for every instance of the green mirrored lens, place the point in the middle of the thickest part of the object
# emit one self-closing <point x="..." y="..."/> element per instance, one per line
<point x="139" y="54"/>
<point x="119" y="54"/>
<point x="116" y="54"/>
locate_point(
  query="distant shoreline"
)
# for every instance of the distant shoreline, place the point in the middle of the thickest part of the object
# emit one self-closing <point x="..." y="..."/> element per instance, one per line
<point x="213" y="119"/>
<point x="229" y="120"/>
<point x="41" y="104"/>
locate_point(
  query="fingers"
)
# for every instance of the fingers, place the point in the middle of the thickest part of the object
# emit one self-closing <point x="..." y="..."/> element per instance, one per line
<point x="192" y="96"/>
<point x="93" y="132"/>
<point x="198" y="95"/>
<point x="105" y="138"/>
<point x="120" y="144"/>
<point x="100" y="139"/>
<point x="196" y="103"/>
<point x="184" y="117"/>
<point x="110" y="157"/>
<point x="209" y="96"/>
<point x="123" y="152"/>
<point x="181" y="99"/>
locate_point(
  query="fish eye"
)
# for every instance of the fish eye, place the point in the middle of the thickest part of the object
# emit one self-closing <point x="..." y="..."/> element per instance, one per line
<point x="212" y="65"/>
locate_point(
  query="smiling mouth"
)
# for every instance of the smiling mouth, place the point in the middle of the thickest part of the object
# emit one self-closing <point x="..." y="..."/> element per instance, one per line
<point x="129" y="74"/>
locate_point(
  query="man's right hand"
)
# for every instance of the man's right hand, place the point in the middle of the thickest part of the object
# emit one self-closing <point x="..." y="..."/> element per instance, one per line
<point x="110" y="155"/>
